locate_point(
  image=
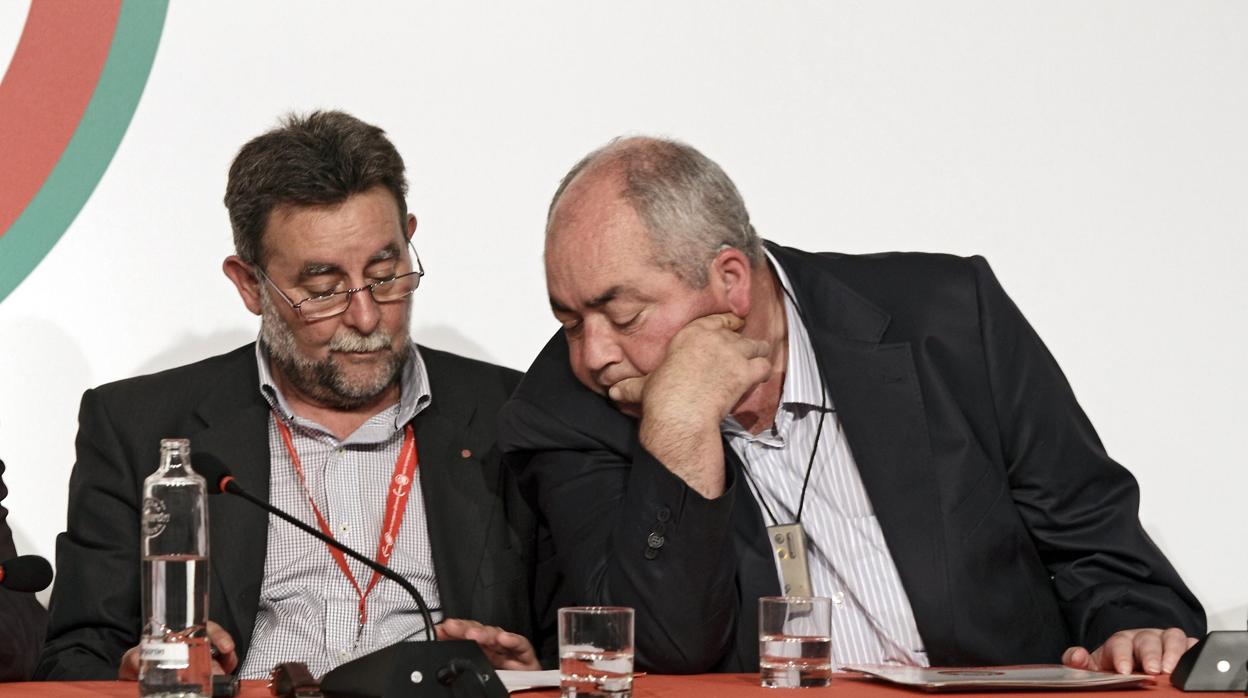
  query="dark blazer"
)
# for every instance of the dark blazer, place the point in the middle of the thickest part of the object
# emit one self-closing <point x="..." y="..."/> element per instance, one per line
<point x="23" y="620"/>
<point x="1014" y="533"/>
<point x="480" y="529"/>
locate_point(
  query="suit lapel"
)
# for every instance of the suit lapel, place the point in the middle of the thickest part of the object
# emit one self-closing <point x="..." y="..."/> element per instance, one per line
<point x="453" y="475"/>
<point x="237" y="421"/>
<point x="875" y="390"/>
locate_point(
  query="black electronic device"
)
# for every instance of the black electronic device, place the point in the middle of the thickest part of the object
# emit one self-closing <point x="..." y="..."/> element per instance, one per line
<point x="1217" y="663"/>
<point x="416" y="670"/>
<point x="432" y="669"/>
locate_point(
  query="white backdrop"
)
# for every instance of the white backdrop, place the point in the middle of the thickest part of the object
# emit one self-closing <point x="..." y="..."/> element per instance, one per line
<point x="1095" y="152"/>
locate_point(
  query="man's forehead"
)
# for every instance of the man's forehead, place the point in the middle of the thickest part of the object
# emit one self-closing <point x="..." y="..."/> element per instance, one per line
<point x="380" y="254"/>
<point x="307" y="258"/>
<point x="333" y="234"/>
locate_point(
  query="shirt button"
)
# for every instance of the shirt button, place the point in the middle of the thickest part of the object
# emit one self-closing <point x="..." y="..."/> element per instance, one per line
<point x="838" y="598"/>
<point x="344" y="528"/>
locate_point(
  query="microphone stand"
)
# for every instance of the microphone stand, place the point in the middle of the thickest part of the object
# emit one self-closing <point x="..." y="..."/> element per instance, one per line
<point x="231" y="486"/>
<point x="402" y="669"/>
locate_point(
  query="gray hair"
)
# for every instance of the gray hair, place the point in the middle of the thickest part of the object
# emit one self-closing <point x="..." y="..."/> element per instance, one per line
<point x="690" y="207"/>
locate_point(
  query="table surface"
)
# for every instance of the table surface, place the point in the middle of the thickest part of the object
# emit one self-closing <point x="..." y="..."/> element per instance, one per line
<point x="651" y="686"/>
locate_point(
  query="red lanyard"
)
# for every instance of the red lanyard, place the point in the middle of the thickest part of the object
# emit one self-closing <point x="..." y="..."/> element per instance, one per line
<point x="396" y="499"/>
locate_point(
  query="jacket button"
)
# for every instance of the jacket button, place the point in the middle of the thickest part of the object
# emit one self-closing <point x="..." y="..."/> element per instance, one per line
<point x="652" y="553"/>
<point x="665" y="514"/>
<point x="655" y="540"/>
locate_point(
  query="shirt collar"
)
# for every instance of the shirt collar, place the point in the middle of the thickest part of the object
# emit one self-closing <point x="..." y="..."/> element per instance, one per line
<point x="802" y="384"/>
<point x="803" y="387"/>
<point x="414" y="390"/>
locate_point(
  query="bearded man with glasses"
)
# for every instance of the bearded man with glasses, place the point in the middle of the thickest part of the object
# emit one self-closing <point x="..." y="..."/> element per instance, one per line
<point x="318" y="417"/>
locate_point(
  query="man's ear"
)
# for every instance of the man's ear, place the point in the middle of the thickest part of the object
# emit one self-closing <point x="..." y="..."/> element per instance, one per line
<point x="244" y="279"/>
<point x="411" y="226"/>
<point x="731" y="275"/>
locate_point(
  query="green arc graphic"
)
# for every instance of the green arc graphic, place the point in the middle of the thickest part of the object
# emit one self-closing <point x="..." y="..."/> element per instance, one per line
<point x="92" y="146"/>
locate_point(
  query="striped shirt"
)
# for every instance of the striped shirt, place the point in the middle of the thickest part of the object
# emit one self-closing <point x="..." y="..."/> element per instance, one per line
<point x="849" y="561"/>
<point x="308" y="609"/>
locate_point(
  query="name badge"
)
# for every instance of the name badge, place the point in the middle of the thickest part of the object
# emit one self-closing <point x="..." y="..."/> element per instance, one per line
<point x="788" y="542"/>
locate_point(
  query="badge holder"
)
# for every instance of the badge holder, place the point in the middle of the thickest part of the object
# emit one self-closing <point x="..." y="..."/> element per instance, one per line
<point x="788" y="541"/>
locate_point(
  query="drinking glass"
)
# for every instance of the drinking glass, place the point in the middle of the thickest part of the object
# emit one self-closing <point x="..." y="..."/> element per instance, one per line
<point x="596" y="652"/>
<point x="794" y="641"/>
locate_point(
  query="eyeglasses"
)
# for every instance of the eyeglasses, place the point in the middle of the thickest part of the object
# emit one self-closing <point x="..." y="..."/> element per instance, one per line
<point x="327" y="305"/>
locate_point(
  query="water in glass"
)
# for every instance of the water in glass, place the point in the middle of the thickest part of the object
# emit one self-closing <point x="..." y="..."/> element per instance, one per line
<point x="787" y="661"/>
<point x="593" y="673"/>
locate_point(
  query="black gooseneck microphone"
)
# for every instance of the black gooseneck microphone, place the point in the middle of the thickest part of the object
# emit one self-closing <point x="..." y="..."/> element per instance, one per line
<point x="405" y="669"/>
<point x="26" y="573"/>
<point x="219" y="479"/>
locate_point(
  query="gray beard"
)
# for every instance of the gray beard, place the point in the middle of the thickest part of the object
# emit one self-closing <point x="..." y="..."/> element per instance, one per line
<point x="323" y="380"/>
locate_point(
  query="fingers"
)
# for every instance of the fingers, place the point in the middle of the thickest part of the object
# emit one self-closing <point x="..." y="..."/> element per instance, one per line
<point x="1174" y="643"/>
<point x="451" y="629"/>
<point x="129" y="669"/>
<point x="221" y="645"/>
<point x="629" y="390"/>
<point x="726" y="321"/>
<point x="460" y="629"/>
<point x="1118" y="652"/>
<point x="1077" y="658"/>
<point x="223" y="648"/>
<point x="505" y="650"/>
<point x="759" y="368"/>
<point x="514" y="652"/>
<point x="1148" y="651"/>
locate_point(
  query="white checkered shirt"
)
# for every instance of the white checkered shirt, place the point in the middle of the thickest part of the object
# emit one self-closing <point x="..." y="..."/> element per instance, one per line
<point x="308" y="609"/>
<point x="849" y="561"/>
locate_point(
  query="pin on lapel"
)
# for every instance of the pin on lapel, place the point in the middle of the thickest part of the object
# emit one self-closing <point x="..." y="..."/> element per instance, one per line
<point x="465" y="453"/>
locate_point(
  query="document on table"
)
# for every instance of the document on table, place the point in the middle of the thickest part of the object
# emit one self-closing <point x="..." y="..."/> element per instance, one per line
<point x="1031" y="676"/>
<point x="526" y="680"/>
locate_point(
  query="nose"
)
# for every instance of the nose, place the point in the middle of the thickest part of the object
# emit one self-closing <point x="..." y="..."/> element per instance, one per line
<point x="598" y="346"/>
<point x="363" y="314"/>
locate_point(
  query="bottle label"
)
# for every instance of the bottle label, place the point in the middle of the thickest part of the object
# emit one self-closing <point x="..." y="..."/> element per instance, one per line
<point x="166" y="655"/>
<point x="155" y="517"/>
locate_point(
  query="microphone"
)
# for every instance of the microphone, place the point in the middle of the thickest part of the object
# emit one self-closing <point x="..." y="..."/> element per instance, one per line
<point x="402" y="670"/>
<point x="26" y="573"/>
<point x="217" y="474"/>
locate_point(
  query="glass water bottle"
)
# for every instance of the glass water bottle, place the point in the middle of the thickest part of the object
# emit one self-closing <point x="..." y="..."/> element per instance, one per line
<point x="174" y="653"/>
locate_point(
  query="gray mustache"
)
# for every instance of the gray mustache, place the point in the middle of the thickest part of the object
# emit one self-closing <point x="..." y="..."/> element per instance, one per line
<point x="352" y="341"/>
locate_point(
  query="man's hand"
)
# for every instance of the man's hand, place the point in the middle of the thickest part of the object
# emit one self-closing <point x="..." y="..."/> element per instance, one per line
<point x="1148" y="649"/>
<point x="225" y="661"/>
<point x="504" y="650"/>
<point x="708" y="369"/>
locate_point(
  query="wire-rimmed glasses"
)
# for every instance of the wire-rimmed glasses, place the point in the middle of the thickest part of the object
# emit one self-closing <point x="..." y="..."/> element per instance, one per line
<point x="327" y="305"/>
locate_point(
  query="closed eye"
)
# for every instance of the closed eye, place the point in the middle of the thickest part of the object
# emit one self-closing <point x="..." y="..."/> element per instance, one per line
<point x="323" y="291"/>
<point x="627" y="324"/>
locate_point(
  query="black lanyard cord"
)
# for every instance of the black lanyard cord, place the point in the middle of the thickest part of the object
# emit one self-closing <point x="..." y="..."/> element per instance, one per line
<point x="814" y="449"/>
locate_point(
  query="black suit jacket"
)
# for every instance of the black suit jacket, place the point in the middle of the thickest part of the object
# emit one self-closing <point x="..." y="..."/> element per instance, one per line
<point x="480" y="529"/>
<point x="23" y="620"/>
<point x="1014" y="534"/>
